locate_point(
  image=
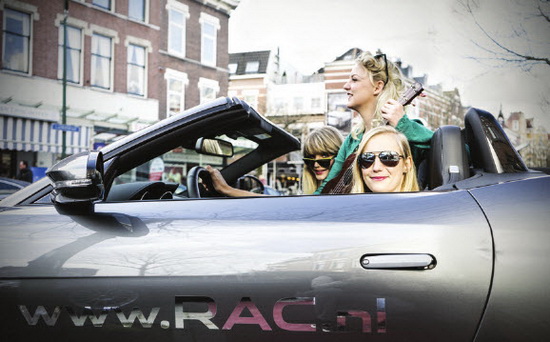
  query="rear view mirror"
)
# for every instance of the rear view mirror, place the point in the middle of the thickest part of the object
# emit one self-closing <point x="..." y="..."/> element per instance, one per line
<point x="214" y="147"/>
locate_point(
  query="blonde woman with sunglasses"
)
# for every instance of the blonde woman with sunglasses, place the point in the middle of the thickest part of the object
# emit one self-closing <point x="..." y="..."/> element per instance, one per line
<point x="319" y="149"/>
<point x="373" y="87"/>
<point x="384" y="163"/>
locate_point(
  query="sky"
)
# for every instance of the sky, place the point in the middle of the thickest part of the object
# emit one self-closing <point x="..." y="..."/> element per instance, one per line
<point x="438" y="38"/>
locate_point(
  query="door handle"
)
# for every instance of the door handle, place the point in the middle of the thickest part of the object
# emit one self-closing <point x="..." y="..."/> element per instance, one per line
<point x="411" y="261"/>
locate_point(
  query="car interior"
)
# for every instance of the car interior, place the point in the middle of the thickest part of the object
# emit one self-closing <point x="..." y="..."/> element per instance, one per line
<point x="477" y="155"/>
<point x="254" y="139"/>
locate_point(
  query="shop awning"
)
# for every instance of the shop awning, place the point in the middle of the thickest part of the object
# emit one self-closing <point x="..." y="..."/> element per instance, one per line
<point x="23" y="134"/>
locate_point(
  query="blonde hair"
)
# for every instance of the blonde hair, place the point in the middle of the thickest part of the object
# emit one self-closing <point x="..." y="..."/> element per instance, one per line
<point x="324" y="141"/>
<point x="409" y="183"/>
<point x="393" y="85"/>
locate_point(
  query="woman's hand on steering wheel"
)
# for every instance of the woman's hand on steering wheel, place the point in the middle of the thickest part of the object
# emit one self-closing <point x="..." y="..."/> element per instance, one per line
<point x="219" y="183"/>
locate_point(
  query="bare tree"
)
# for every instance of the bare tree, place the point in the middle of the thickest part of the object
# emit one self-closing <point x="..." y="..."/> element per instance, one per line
<point x="501" y="50"/>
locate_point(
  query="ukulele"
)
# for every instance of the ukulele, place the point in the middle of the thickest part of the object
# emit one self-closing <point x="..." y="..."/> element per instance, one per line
<point x="341" y="184"/>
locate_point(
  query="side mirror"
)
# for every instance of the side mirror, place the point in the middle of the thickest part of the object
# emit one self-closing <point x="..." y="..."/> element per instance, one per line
<point x="78" y="182"/>
<point x="214" y="147"/>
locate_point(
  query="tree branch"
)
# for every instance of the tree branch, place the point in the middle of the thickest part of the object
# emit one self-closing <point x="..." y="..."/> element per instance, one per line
<point x="542" y="14"/>
<point x="523" y="57"/>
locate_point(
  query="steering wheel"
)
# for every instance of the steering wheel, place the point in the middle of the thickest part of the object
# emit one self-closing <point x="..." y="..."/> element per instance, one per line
<point x="196" y="189"/>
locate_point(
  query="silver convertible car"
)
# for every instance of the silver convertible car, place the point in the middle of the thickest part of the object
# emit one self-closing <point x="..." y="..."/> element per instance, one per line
<point x="108" y="247"/>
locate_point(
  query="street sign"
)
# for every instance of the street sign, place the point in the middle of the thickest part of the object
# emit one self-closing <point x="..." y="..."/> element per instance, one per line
<point x="67" y="128"/>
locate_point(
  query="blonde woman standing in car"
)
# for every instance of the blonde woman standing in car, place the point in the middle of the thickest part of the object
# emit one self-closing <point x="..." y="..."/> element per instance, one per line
<point x="373" y="88"/>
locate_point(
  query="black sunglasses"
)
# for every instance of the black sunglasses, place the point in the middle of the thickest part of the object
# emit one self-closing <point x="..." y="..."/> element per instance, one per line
<point x="383" y="55"/>
<point x="388" y="158"/>
<point x="323" y="162"/>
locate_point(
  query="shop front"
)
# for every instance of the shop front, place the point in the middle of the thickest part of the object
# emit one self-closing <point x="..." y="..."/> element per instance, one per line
<point x="35" y="135"/>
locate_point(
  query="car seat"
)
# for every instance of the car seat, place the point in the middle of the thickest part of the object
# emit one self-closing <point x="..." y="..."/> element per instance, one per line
<point x="448" y="160"/>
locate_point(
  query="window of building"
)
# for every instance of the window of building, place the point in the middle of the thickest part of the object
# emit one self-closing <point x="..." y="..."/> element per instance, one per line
<point x="136" y="69"/>
<point x="209" y="29"/>
<point x="208" y="89"/>
<point x="315" y="103"/>
<point x="102" y="58"/>
<point x="136" y="9"/>
<point x="251" y="99"/>
<point x="178" y="13"/>
<point x="175" y="85"/>
<point x="73" y="56"/>
<point x="16" y="41"/>
<point x="515" y="125"/>
<point x="233" y="68"/>
<point x="279" y="106"/>
<point x="105" y="4"/>
<point x="252" y="67"/>
<point x="298" y="103"/>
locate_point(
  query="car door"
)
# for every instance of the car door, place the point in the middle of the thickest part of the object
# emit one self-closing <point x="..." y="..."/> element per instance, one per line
<point x="412" y="267"/>
<point x="519" y="216"/>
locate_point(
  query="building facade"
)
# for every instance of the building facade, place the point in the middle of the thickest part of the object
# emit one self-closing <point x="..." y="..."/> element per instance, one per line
<point x="532" y="142"/>
<point x="128" y="63"/>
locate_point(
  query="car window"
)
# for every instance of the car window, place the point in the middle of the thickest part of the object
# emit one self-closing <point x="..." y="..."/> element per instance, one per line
<point x="173" y="167"/>
<point x="169" y="167"/>
<point x="8" y="186"/>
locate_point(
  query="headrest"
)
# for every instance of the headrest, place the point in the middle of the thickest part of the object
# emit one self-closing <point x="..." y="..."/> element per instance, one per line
<point x="448" y="157"/>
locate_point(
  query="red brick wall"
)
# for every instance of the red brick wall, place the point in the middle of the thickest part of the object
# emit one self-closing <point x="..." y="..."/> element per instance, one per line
<point x="45" y="45"/>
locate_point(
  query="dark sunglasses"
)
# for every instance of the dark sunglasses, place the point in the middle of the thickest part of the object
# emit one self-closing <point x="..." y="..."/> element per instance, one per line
<point x="383" y="55"/>
<point x="323" y="162"/>
<point x="388" y="158"/>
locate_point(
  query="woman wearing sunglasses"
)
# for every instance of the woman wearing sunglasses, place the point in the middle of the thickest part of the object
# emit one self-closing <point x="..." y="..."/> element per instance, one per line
<point x="319" y="149"/>
<point x="373" y="87"/>
<point x="384" y="163"/>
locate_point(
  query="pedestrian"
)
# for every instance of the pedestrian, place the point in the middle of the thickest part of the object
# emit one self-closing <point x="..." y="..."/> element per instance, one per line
<point x="25" y="173"/>
<point x="373" y="88"/>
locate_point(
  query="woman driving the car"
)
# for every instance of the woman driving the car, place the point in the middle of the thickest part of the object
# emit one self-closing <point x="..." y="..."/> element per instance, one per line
<point x="319" y="149"/>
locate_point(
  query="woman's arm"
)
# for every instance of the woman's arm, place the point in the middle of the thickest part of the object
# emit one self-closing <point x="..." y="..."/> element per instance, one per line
<point x="416" y="133"/>
<point x="222" y="187"/>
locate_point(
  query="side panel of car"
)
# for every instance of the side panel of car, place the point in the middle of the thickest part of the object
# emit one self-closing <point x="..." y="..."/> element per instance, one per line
<point x="249" y="269"/>
<point x="519" y="215"/>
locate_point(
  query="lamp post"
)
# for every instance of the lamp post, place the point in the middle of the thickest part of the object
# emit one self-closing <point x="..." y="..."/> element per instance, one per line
<point x="64" y="100"/>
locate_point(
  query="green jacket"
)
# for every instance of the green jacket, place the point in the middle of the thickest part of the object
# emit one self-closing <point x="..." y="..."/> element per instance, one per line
<point x="418" y="135"/>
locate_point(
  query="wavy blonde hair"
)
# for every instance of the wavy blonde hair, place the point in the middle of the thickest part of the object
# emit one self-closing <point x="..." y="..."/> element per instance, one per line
<point x="409" y="183"/>
<point x="393" y="85"/>
<point x="324" y="141"/>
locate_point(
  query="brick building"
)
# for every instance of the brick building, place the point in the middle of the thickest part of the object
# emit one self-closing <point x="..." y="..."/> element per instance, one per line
<point x="532" y="142"/>
<point x="129" y="63"/>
